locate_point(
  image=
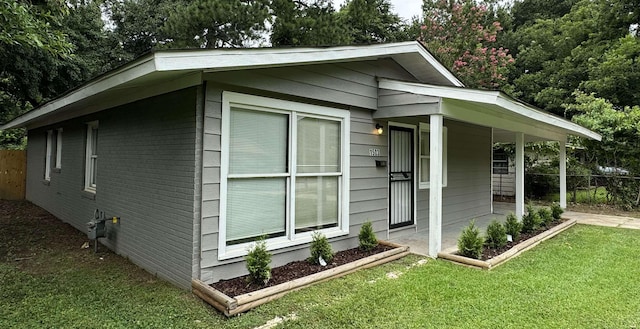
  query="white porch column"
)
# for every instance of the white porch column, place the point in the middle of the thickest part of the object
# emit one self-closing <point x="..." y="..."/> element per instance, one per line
<point x="519" y="175"/>
<point x="435" y="184"/>
<point x="563" y="173"/>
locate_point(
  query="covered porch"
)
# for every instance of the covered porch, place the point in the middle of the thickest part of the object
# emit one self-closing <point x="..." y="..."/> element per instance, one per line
<point x="509" y="120"/>
<point x="419" y="241"/>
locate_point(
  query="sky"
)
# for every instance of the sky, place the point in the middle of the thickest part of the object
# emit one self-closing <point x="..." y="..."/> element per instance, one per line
<point x="406" y="9"/>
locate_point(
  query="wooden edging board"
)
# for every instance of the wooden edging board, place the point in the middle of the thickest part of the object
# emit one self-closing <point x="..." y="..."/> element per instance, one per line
<point x="513" y="252"/>
<point x="241" y="303"/>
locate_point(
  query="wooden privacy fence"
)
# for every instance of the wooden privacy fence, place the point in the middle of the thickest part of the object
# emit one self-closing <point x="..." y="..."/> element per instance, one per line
<point x="13" y="172"/>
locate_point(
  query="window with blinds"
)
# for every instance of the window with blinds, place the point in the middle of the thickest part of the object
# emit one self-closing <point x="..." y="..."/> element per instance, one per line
<point x="283" y="172"/>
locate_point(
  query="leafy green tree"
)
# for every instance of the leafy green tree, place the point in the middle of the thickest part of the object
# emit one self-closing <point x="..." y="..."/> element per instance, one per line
<point x="139" y="24"/>
<point x="528" y="11"/>
<point x="218" y="23"/>
<point x="372" y="21"/>
<point x="620" y="145"/>
<point x="26" y="28"/>
<point x="617" y="77"/>
<point x="307" y="23"/>
<point x="456" y="32"/>
<point x="555" y="55"/>
<point x="33" y="26"/>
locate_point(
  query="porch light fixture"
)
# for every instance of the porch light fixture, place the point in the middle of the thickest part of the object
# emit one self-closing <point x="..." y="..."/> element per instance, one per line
<point x="379" y="129"/>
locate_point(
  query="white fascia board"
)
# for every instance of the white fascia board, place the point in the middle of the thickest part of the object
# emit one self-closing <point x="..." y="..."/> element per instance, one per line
<point x="519" y="108"/>
<point x="111" y="80"/>
<point x="230" y="59"/>
<point x="215" y="60"/>
<point x="496" y="98"/>
<point x="225" y="60"/>
<point x="439" y="67"/>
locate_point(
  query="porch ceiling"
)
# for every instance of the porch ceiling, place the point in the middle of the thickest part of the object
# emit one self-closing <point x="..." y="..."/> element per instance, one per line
<point x="494" y="109"/>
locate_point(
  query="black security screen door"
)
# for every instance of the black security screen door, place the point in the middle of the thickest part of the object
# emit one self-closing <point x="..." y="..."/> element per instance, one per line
<point x="401" y="178"/>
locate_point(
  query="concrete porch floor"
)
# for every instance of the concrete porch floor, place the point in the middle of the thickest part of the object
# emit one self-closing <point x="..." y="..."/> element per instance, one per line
<point x="418" y="242"/>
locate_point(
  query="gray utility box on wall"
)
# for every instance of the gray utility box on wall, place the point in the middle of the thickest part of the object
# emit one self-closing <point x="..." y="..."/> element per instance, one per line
<point x="96" y="229"/>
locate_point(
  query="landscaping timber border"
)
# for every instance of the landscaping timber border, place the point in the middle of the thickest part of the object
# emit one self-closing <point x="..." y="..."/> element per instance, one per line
<point x="513" y="252"/>
<point x="242" y="303"/>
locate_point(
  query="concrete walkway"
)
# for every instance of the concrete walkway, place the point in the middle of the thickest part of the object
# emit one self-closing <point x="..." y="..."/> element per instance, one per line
<point x="603" y="220"/>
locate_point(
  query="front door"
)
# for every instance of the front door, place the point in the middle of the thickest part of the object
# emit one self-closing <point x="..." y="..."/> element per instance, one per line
<point x="401" y="178"/>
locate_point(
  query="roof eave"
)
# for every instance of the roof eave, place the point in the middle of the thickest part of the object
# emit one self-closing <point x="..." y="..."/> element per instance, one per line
<point x="493" y="98"/>
<point x="229" y="59"/>
<point x="133" y="70"/>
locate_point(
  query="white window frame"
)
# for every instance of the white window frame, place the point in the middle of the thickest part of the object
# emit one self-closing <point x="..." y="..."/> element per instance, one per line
<point x="232" y="99"/>
<point x="424" y="127"/>
<point x="59" y="149"/>
<point x="89" y="169"/>
<point x="47" y="156"/>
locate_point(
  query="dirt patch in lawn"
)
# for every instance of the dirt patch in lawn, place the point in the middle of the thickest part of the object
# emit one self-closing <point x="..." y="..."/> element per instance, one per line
<point x="39" y="243"/>
<point x="27" y="231"/>
<point x="602" y="209"/>
<point x="489" y="253"/>
<point x="294" y="270"/>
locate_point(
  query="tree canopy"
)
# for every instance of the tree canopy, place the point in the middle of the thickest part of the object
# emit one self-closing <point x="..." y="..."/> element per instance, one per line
<point x="575" y="58"/>
<point x="463" y="34"/>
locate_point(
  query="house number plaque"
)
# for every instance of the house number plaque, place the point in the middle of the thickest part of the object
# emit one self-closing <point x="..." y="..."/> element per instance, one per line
<point x="374" y="152"/>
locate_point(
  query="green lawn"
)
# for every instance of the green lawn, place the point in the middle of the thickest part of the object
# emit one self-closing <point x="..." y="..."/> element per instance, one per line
<point x="591" y="196"/>
<point x="587" y="277"/>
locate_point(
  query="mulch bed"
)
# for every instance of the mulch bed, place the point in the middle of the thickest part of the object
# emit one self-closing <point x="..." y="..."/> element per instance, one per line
<point x="294" y="270"/>
<point x="489" y="253"/>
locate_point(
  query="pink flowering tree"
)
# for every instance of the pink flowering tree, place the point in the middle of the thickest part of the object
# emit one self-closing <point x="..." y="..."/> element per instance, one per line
<point x="455" y="31"/>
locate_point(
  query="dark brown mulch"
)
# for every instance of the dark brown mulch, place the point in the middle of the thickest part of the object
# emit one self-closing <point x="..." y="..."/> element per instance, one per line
<point x="294" y="270"/>
<point x="489" y="253"/>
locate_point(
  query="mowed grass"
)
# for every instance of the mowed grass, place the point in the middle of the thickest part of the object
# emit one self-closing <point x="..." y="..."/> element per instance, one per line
<point x="587" y="277"/>
<point x="591" y="196"/>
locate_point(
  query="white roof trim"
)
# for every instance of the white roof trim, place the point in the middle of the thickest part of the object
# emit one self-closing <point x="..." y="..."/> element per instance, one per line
<point x="225" y="60"/>
<point x="232" y="59"/>
<point x="495" y="98"/>
<point x="108" y="81"/>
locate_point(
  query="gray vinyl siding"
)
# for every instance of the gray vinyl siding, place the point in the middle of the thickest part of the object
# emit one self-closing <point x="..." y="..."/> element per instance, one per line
<point x="468" y="191"/>
<point x="146" y="175"/>
<point x="351" y="86"/>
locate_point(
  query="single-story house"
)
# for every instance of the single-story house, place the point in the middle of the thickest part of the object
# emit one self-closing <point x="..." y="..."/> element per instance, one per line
<point x="199" y="152"/>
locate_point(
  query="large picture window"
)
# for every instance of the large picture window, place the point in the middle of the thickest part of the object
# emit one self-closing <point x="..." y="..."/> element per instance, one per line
<point x="282" y="173"/>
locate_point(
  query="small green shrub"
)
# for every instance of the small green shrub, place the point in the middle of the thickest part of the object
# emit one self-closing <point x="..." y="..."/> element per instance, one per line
<point x="470" y="242"/>
<point x="496" y="236"/>
<point x="513" y="226"/>
<point x="556" y="211"/>
<point x="545" y="216"/>
<point x="367" y="238"/>
<point x="320" y="247"/>
<point x="258" y="260"/>
<point x="530" y="220"/>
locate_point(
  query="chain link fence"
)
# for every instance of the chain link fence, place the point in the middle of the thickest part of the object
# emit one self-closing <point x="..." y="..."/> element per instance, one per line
<point x="621" y="190"/>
